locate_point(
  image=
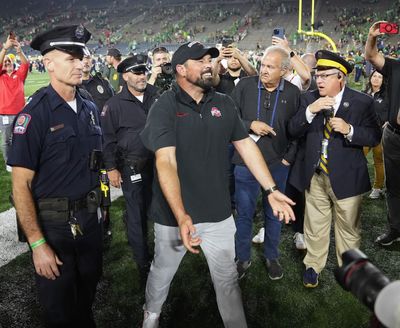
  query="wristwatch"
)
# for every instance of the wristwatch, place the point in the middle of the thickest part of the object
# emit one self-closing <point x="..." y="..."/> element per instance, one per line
<point x="292" y="54"/>
<point x="270" y="190"/>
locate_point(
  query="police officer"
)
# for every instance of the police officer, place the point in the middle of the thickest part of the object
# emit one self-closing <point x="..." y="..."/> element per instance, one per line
<point x="98" y="87"/>
<point x="128" y="163"/>
<point x="54" y="189"/>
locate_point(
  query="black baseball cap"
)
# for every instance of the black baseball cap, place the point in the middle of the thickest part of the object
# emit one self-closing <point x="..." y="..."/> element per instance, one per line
<point x="192" y="50"/>
<point x="71" y="39"/>
<point x="114" y="52"/>
<point x="136" y="63"/>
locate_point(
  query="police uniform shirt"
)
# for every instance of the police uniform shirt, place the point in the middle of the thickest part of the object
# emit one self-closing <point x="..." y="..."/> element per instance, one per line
<point x="55" y="142"/>
<point x="201" y="134"/>
<point x="100" y="89"/>
<point x="123" y="118"/>
<point x="391" y="70"/>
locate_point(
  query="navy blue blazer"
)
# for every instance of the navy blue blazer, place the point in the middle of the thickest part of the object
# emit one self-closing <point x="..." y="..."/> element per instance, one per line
<point x="348" y="171"/>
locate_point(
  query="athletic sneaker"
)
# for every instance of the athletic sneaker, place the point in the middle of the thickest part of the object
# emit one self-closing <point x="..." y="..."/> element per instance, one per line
<point x="242" y="267"/>
<point x="274" y="269"/>
<point x="299" y="241"/>
<point x="388" y="238"/>
<point x="150" y="319"/>
<point x="375" y="193"/>
<point x="310" y="278"/>
<point x="259" y="237"/>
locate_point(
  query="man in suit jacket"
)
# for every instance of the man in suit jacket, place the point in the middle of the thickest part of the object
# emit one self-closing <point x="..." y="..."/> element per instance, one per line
<point x="336" y="122"/>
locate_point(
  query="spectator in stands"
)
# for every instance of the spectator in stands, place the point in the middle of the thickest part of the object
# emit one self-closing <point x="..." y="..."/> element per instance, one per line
<point x="266" y="104"/>
<point x="376" y="89"/>
<point x="12" y="98"/>
<point x="336" y="123"/>
<point x="390" y="69"/>
<point x="161" y="74"/>
<point x="113" y="59"/>
<point x="358" y="66"/>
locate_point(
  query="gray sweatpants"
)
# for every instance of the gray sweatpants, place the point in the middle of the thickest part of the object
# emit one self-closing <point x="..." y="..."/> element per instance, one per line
<point x="218" y="245"/>
<point x="6" y="126"/>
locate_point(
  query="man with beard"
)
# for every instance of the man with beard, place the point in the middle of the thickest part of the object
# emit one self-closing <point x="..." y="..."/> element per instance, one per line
<point x="237" y="67"/>
<point x="98" y="87"/>
<point x="128" y="163"/>
<point x="113" y="59"/>
<point x="189" y="129"/>
<point x="12" y="98"/>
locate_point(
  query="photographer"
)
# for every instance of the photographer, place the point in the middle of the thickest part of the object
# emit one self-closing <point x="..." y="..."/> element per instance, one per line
<point x="390" y="69"/>
<point x="161" y="74"/>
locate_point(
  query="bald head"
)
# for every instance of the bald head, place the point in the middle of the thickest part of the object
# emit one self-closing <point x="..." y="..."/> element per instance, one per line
<point x="309" y="60"/>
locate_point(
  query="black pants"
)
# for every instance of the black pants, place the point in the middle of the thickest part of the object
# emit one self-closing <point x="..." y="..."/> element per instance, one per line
<point x="67" y="300"/>
<point x="298" y="209"/>
<point x="391" y="157"/>
<point x="138" y="198"/>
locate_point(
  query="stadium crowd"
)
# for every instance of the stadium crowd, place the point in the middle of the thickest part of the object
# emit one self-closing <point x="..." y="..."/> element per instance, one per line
<point x="193" y="137"/>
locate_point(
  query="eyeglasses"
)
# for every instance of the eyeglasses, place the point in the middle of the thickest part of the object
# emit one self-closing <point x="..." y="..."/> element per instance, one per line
<point x="267" y="101"/>
<point x="323" y="77"/>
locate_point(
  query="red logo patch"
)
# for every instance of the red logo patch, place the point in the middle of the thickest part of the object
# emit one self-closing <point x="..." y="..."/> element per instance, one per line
<point x="216" y="112"/>
<point x="22" y="123"/>
<point x="180" y="114"/>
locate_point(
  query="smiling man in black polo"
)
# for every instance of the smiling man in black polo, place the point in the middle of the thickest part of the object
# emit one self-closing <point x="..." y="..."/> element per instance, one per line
<point x="189" y="129"/>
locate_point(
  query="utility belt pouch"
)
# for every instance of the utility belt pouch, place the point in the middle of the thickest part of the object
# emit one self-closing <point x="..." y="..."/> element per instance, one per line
<point x="54" y="209"/>
<point x="93" y="200"/>
<point x="95" y="160"/>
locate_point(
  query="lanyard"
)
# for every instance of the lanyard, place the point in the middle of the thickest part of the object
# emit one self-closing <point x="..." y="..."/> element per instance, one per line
<point x="275" y="105"/>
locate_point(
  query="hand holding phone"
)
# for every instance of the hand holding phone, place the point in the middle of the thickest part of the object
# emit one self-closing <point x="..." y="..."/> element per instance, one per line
<point x="389" y="28"/>
<point x="12" y="35"/>
<point x="279" y="32"/>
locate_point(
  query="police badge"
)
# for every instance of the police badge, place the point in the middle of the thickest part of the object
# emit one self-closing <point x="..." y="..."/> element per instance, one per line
<point x="80" y="31"/>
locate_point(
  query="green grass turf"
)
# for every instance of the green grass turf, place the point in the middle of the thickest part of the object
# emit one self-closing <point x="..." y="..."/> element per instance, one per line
<point x="34" y="81"/>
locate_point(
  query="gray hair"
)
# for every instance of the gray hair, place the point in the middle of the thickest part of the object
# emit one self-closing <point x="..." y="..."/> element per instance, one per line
<point x="284" y="55"/>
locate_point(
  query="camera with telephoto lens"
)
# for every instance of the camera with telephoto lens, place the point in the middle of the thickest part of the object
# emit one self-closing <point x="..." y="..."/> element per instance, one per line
<point x="165" y="78"/>
<point x="371" y="287"/>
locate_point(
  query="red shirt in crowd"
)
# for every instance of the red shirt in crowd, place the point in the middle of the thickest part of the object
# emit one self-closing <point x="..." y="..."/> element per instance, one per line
<point x="12" y="98"/>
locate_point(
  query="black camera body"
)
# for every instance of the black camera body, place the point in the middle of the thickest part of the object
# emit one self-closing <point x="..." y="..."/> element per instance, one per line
<point x="372" y="288"/>
<point x="165" y="78"/>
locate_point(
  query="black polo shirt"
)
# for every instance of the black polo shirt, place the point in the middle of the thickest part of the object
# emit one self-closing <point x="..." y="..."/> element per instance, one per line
<point x="201" y="134"/>
<point x="246" y="95"/>
<point x="391" y="70"/>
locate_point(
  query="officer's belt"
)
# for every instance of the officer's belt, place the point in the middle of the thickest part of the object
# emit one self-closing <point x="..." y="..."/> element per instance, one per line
<point x="60" y="209"/>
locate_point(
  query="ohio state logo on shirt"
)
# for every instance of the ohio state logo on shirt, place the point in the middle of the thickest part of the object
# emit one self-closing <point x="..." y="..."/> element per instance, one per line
<point x="215" y="112"/>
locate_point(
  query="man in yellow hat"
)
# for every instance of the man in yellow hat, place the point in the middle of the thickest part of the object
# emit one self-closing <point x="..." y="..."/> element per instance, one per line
<point x="336" y="122"/>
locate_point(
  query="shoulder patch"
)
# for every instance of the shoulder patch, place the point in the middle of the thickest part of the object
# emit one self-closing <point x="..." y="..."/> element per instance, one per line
<point x="21" y="124"/>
